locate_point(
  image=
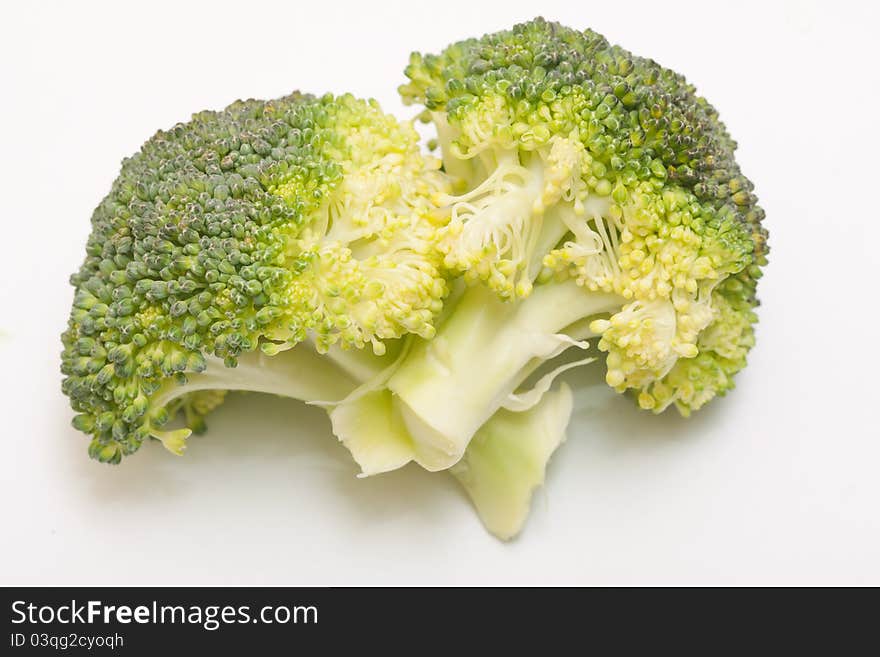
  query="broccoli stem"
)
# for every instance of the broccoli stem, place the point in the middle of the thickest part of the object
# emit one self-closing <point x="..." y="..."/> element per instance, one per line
<point x="299" y="373"/>
<point x="446" y="388"/>
<point x="507" y="459"/>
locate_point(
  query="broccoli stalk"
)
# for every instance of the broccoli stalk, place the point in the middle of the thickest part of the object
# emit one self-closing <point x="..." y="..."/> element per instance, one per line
<point x="500" y="470"/>
<point x="298" y="373"/>
<point x="507" y="459"/>
<point x="481" y="355"/>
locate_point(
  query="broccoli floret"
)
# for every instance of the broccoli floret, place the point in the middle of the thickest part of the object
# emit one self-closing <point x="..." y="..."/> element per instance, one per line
<point x="598" y="198"/>
<point x="231" y="238"/>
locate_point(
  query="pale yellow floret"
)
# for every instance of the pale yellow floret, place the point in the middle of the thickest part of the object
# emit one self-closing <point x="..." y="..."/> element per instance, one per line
<point x="486" y="127"/>
<point x="374" y="271"/>
<point x="493" y="228"/>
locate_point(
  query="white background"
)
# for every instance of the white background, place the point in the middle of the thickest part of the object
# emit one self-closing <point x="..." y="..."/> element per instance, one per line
<point x="777" y="483"/>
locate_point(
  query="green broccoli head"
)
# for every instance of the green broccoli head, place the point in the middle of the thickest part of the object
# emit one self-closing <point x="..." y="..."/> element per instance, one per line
<point x="250" y="228"/>
<point x="307" y="247"/>
<point x="580" y="162"/>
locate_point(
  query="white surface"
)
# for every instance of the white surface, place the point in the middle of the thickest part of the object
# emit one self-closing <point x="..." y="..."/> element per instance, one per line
<point x="777" y="483"/>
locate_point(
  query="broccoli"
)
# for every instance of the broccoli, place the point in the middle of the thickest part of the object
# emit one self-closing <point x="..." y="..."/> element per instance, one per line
<point x="598" y="197"/>
<point x="228" y="240"/>
<point x="307" y="247"/>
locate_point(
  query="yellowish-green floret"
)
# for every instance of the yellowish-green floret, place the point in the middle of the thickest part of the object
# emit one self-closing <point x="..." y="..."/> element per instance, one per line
<point x="596" y="197"/>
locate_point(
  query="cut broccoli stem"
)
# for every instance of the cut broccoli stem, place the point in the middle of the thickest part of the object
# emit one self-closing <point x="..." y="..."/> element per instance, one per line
<point x="372" y="429"/>
<point x="449" y="386"/>
<point x="507" y="458"/>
